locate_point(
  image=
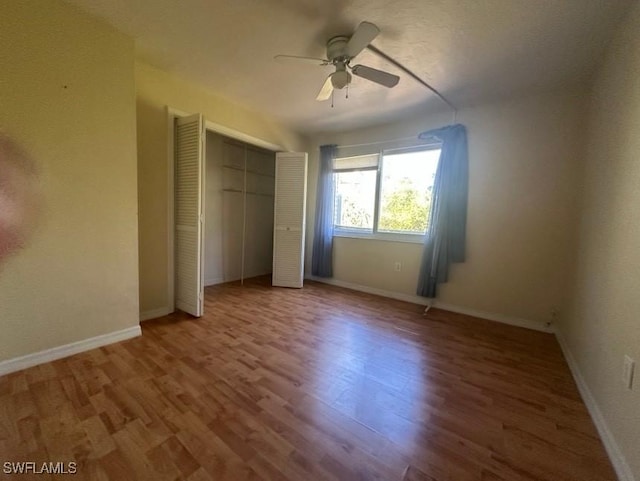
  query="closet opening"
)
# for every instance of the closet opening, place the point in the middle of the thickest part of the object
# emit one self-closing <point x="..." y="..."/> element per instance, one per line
<point x="238" y="207"/>
<point x="220" y="208"/>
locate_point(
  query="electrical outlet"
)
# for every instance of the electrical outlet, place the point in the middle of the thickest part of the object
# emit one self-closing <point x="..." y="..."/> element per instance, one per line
<point x="397" y="266"/>
<point x="627" y="372"/>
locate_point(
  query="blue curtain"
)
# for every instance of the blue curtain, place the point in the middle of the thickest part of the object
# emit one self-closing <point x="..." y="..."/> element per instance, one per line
<point x="445" y="239"/>
<point x="322" y="257"/>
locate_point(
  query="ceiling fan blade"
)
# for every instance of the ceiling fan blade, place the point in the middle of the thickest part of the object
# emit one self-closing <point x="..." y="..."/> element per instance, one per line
<point x="363" y="36"/>
<point x="378" y="76"/>
<point x="298" y="59"/>
<point x="326" y="90"/>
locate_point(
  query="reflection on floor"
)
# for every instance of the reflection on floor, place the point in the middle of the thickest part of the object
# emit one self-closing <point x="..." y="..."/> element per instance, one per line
<point x="320" y="383"/>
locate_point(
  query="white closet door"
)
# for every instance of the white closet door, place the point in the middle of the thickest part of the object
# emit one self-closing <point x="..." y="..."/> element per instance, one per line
<point x="189" y="214"/>
<point x="289" y="219"/>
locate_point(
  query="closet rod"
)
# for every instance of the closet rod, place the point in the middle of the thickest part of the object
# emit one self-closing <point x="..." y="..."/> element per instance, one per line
<point x="238" y="191"/>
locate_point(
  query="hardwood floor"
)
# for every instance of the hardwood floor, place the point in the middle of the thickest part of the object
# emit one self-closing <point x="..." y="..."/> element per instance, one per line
<point x="314" y="384"/>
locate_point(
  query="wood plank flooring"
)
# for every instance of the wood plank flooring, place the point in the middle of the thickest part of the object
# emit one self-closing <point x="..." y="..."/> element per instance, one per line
<point x="321" y="383"/>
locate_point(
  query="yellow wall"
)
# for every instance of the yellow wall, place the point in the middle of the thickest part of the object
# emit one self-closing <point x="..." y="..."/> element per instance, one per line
<point x="67" y="93"/>
<point x="523" y="158"/>
<point x="603" y="323"/>
<point x="156" y="90"/>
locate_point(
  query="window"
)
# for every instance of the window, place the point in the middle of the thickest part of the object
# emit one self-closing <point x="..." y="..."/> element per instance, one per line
<point x="385" y="195"/>
<point x="355" y="185"/>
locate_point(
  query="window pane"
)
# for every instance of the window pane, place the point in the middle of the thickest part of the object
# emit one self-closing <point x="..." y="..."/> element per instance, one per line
<point x="355" y="199"/>
<point x="405" y="193"/>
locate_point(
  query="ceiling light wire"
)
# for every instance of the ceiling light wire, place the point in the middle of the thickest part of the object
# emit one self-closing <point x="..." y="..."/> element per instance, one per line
<point x="386" y="57"/>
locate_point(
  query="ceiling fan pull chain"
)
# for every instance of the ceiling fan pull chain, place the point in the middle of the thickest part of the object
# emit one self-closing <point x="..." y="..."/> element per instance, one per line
<point x="341" y="51"/>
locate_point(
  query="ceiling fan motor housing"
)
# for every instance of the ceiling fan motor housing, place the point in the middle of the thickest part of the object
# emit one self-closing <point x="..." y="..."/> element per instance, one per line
<point x="341" y="50"/>
<point x="337" y="48"/>
<point x="337" y="53"/>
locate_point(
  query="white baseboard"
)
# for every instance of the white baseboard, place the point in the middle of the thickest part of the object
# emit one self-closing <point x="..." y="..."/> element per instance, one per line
<point x="424" y="301"/>
<point x="618" y="460"/>
<point x="213" y="281"/>
<point x="23" y="362"/>
<point x="613" y="450"/>
<point x="512" y="321"/>
<point x="155" y="313"/>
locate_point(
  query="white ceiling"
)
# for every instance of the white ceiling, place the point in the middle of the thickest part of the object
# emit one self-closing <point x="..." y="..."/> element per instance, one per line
<point x="470" y="50"/>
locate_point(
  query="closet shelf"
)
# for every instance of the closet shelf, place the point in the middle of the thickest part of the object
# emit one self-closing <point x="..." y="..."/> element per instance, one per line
<point x="239" y="169"/>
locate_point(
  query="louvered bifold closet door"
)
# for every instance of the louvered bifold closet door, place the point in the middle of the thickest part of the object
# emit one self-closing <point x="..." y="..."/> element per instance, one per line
<point x="289" y="219"/>
<point x="189" y="218"/>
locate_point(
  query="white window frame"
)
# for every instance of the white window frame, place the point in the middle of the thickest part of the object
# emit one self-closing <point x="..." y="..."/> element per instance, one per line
<point x="357" y="233"/>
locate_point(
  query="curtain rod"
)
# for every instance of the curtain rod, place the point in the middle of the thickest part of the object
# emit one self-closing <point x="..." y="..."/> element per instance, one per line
<point x="386" y="57"/>
<point x="367" y="144"/>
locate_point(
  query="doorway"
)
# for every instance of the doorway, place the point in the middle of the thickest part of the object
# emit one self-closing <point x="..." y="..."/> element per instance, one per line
<point x="238" y="186"/>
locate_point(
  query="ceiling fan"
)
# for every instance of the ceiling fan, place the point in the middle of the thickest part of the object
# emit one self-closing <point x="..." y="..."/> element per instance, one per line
<point x="341" y="50"/>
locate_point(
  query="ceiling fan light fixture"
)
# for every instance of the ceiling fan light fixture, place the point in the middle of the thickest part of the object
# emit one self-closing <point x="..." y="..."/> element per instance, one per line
<point x="341" y="51"/>
<point x="340" y="79"/>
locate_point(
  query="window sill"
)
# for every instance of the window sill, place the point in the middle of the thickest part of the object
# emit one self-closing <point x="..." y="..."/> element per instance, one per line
<point x="388" y="237"/>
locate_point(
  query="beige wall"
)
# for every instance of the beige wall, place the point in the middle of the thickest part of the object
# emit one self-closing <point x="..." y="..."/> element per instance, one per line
<point x="156" y="90"/>
<point x="523" y="158"/>
<point x="603" y="322"/>
<point x="67" y="92"/>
